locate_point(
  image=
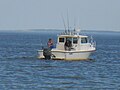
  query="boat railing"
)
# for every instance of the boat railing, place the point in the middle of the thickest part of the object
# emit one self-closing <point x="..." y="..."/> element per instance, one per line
<point x="93" y="43"/>
<point x="70" y="32"/>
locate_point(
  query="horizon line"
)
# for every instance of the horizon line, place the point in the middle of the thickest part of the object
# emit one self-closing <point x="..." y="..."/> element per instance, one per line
<point x="53" y="29"/>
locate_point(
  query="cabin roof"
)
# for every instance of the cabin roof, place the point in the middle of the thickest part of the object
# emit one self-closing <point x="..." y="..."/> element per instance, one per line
<point x="72" y="36"/>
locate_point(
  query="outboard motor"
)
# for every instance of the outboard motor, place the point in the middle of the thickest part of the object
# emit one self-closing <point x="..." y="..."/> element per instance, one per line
<point x="47" y="53"/>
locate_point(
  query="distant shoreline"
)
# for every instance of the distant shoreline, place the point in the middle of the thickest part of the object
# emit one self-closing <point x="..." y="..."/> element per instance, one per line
<point x="39" y="30"/>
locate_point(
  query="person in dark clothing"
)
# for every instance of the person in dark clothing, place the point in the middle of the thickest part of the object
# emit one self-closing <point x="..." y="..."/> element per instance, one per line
<point x="68" y="45"/>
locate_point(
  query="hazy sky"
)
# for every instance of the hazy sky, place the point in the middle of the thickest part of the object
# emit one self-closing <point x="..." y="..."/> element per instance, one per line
<point x="39" y="14"/>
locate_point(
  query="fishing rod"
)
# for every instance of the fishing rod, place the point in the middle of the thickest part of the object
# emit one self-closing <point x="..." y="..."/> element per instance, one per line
<point x="64" y="22"/>
<point x="68" y="21"/>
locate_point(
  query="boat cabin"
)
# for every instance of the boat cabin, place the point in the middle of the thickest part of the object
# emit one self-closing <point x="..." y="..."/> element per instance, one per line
<point x="74" y="42"/>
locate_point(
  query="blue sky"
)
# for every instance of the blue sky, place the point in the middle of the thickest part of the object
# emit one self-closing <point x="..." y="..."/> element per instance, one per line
<point x="45" y="14"/>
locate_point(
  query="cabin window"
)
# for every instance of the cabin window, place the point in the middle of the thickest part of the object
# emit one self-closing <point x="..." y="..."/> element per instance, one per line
<point x="84" y="40"/>
<point x="75" y="40"/>
<point x="61" y="39"/>
<point x="69" y="39"/>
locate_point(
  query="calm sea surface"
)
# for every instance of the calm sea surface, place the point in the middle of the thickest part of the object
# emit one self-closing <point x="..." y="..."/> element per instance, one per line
<point x="20" y="69"/>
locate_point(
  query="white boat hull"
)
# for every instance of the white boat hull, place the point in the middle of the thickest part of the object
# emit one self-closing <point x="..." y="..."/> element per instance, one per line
<point x="67" y="55"/>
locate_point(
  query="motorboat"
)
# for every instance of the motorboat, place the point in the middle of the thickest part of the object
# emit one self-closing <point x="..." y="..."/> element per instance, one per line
<point x="71" y="45"/>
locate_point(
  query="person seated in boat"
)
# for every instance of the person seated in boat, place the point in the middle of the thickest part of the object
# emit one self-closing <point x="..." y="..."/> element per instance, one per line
<point x="50" y="43"/>
<point x="68" y="45"/>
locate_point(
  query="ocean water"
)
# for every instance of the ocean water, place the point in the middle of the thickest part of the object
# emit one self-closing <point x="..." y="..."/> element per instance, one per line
<point x="20" y="69"/>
